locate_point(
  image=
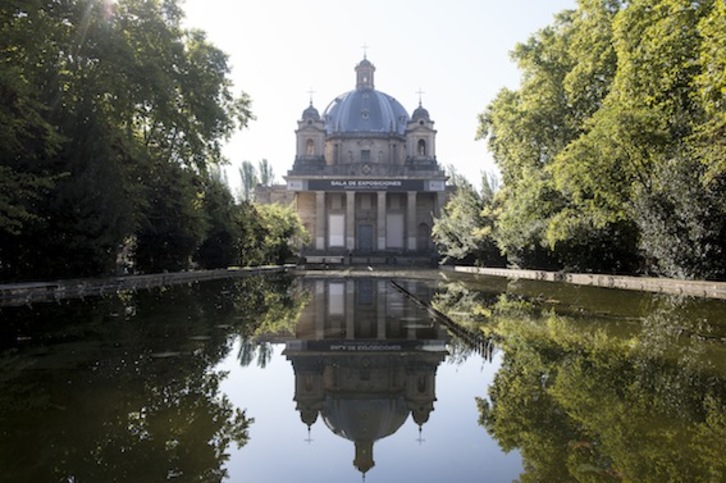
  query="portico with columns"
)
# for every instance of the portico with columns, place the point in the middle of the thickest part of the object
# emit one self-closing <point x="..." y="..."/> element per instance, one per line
<point x="365" y="177"/>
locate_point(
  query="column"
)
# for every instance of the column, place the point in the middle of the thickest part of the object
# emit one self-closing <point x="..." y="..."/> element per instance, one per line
<point x="381" y="220"/>
<point x="320" y="220"/>
<point x="411" y="221"/>
<point x="350" y="220"/>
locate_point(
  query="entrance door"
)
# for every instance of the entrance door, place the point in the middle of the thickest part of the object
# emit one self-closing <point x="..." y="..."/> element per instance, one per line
<point x="365" y="238"/>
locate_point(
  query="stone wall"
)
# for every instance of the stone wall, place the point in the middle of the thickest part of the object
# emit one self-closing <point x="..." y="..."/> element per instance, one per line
<point x="695" y="288"/>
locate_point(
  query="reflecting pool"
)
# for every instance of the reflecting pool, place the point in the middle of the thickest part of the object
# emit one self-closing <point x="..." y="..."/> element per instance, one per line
<point x="333" y="377"/>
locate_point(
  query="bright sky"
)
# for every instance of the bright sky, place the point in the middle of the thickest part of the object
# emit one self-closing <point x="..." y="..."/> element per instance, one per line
<point x="456" y="52"/>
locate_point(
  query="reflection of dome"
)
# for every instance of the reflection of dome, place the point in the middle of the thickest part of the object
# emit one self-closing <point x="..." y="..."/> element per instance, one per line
<point x="365" y="110"/>
<point x="364" y="419"/>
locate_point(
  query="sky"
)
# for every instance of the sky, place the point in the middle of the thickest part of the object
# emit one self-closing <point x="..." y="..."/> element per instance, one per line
<point x="456" y="52"/>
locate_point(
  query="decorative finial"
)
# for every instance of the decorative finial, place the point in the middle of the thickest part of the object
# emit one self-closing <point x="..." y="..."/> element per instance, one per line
<point x="311" y="92"/>
<point x="309" y="440"/>
<point x="420" y="436"/>
<point x="420" y="93"/>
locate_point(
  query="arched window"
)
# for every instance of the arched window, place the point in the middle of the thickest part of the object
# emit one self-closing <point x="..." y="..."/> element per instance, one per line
<point x="310" y="148"/>
<point x="421" y="147"/>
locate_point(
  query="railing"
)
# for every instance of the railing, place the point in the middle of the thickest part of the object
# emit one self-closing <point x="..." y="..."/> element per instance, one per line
<point x="475" y="340"/>
<point x="428" y="169"/>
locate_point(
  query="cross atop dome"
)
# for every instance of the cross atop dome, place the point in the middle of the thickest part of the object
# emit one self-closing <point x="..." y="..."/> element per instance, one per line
<point x="310" y="93"/>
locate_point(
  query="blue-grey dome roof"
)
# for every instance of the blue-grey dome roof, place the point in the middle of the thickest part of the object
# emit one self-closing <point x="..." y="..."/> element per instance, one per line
<point x="365" y="111"/>
<point x="311" y="113"/>
<point x="420" y="114"/>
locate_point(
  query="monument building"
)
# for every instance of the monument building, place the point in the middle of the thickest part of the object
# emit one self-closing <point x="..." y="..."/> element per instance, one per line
<point x="365" y="180"/>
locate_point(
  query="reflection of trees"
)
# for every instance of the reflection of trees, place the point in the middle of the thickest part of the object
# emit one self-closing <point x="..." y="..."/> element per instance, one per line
<point x="587" y="405"/>
<point x="464" y="307"/>
<point x="123" y="388"/>
<point x="273" y="306"/>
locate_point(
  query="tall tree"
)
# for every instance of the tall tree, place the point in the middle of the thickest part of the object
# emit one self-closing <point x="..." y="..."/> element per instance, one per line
<point x="248" y="176"/>
<point x="267" y="174"/>
<point x="634" y="165"/>
<point x="284" y="232"/>
<point x="100" y="97"/>
<point x="220" y="246"/>
<point x="611" y="146"/>
<point x="463" y="232"/>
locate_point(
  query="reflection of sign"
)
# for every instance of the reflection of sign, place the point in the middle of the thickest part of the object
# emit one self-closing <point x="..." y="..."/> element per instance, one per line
<point x="369" y="185"/>
<point x="351" y="346"/>
<point x="365" y="347"/>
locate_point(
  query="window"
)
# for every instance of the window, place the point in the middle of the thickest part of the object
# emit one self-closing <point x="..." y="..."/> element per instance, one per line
<point x="336" y="230"/>
<point x="365" y="155"/>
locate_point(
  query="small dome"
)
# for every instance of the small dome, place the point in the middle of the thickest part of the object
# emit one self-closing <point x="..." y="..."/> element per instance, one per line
<point x="420" y="114"/>
<point x="365" y="63"/>
<point x="311" y="113"/>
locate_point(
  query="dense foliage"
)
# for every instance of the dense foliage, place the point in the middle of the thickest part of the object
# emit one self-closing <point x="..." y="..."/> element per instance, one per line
<point x="612" y="151"/>
<point x="463" y="231"/>
<point x="111" y="125"/>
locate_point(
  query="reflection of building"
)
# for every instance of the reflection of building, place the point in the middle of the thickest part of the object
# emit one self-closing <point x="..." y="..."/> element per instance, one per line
<point x="365" y="178"/>
<point x="364" y="359"/>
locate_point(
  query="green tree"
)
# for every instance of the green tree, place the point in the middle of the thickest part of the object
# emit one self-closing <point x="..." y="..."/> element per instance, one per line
<point x="267" y="174"/>
<point x="251" y="235"/>
<point x="249" y="180"/>
<point x="624" y="170"/>
<point x="174" y="224"/>
<point x="600" y="146"/>
<point x="463" y="231"/>
<point x="100" y="95"/>
<point x="525" y="130"/>
<point x="284" y="233"/>
<point x="710" y="83"/>
<point x="220" y="246"/>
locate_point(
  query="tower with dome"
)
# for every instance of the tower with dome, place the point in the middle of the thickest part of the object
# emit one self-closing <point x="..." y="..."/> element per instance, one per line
<point x="365" y="179"/>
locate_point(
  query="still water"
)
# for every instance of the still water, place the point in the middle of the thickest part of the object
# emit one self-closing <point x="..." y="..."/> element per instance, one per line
<point x="337" y="377"/>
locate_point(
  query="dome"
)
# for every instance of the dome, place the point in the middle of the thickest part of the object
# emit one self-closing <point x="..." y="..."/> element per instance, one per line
<point x="365" y="111"/>
<point x="311" y="113"/>
<point x="420" y="114"/>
